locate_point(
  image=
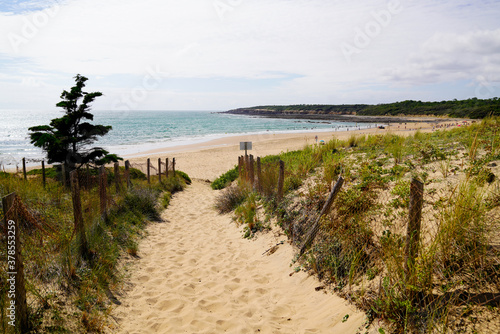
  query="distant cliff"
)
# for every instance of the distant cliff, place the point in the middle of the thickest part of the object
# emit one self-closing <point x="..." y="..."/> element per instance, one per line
<point x="471" y="108"/>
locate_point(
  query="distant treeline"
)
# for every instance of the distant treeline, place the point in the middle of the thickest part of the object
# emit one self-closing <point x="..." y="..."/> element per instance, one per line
<point x="471" y="108"/>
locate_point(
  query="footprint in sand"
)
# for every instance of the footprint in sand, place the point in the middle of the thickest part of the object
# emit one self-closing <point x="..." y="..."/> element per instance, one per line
<point x="169" y="305"/>
<point x="199" y="275"/>
<point x="143" y="279"/>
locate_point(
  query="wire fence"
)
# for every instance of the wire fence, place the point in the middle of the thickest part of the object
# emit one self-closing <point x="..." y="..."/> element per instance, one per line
<point x="425" y="255"/>
<point x="43" y="235"/>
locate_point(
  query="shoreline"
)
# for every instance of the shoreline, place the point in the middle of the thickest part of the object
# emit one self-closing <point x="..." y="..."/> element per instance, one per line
<point x="341" y="117"/>
<point x="209" y="159"/>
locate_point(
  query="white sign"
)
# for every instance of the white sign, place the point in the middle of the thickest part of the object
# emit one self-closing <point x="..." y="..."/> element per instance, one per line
<point x="245" y="145"/>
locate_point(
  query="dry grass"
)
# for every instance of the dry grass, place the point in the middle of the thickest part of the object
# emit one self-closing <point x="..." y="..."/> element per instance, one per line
<point x="360" y="248"/>
<point x="55" y="273"/>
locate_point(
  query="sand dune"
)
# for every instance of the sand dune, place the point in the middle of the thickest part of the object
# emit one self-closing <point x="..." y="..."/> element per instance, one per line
<point x="196" y="274"/>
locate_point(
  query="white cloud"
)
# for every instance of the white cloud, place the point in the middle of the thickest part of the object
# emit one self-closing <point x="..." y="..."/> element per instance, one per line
<point x="449" y="57"/>
<point x="420" y="43"/>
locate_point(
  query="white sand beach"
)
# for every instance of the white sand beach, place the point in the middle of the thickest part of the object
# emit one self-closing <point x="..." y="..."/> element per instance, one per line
<point x="197" y="274"/>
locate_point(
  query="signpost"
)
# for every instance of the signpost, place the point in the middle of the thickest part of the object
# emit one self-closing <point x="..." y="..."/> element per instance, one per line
<point x="245" y="145"/>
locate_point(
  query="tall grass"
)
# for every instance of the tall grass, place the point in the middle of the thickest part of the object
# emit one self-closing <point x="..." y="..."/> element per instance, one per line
<point x="55" y="272"/>
<point x="360" y="248"/>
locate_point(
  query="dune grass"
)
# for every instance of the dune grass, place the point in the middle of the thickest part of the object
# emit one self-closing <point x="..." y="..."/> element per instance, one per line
<point x="65" y="292"/>
<point x="360" y="249"/>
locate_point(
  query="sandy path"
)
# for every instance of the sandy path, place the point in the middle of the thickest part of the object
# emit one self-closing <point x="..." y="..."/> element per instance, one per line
<point x="198" y="275"/>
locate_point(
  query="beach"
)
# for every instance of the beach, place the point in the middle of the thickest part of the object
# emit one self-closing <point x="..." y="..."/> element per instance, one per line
<point x="210" y="159"/>
<point x="195" y="273"/>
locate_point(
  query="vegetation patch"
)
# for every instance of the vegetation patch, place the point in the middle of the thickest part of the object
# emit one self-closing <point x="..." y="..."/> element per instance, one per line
<point x="55" y="273"/>
<point x="361" y="248"/>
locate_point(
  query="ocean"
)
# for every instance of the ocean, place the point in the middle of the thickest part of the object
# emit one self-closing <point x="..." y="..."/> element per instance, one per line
<point x="138" y="131"/>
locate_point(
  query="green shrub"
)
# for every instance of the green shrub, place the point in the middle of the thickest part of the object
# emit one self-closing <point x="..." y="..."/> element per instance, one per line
<point x="225" y="179"/>
<point x="137" y="174"/>
<point x="50" y="172"/>
<point x="186" y="177"/>
<point x="402" y="191"/>
<point x="292" y="182"/>
<point x="165" y="199"/>
<point x="246" y="214"/>
<point x="269" y="179"/>
<point x="172" y="184"/>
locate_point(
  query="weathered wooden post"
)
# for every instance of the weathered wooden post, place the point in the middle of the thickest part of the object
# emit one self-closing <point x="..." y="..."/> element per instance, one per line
<point x="166" y="168"/>
<point x="63" y="171"/>
<point x="247" y="168"/>
<point x="251" y="172"/>
<point x="244" y="164"/>
<point x="24" y="169"/>
<point x="281" y="180"/>
<point x="44" y="179"/>
<point x="15" y="267"/>
<point x="326" y="208"/>
<point x="77" y="213"/>
<point x="259" y="175"/>
<point x="159" y="170"/>
<point x="173" y="166"/>
<point x="87" y="177"/>
<point x="413" y="230"/>
<point x="117" y="176"/>
<point x="240" y="167"/>
<point x="127" y="173"/>
<point x="102" y="192"/>
<point x="149" y="174"/>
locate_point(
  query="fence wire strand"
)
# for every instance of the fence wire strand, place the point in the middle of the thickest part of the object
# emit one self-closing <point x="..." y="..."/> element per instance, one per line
<point x="452" y="284"/>
<point x="48" y="241"/>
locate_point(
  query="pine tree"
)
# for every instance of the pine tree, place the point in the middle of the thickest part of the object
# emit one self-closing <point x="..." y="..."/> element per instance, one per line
<point x="67" y="138"/>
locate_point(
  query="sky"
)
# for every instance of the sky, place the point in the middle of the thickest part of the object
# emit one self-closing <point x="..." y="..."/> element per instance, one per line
<point x="225" y="54"/>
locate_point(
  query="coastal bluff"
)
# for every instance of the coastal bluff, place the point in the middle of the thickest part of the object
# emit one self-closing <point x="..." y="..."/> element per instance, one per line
<point x="395" y="112"/>
<point x="347" y="114"/>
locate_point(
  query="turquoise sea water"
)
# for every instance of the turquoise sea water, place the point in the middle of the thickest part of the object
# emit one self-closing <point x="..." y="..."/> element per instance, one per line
<point x="139" y="131"/>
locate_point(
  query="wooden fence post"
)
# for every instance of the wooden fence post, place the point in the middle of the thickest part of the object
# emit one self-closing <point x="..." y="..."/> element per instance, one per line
<point x="127" y="173"/>
<point x="148" y="171"/>
<point x="413" y="230"/>
<point x="259" y="175"/>
<point x="87" y="177"/>
<point x="247" y="167"/>
<point x="44" y="180"/>
<point x="117" y="176"/>
<point x="240" y="167"/>
<point x="173" y="166"/>
<point x="326" y="208"/>
<point x="251" y="172"/>
<point x="77" y="213"/>
<point x="166" y="168"/>
<point x="281" y="180"/>
<point x="24" y="169"/>
<point x="63" y="171"/>
<point x="159" y="170"/>
<point x="102" y="191"/>
<point x="15" y="268"/>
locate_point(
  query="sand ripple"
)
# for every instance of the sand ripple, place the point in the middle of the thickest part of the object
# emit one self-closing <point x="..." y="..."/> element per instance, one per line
<point x="198" y="275"/>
